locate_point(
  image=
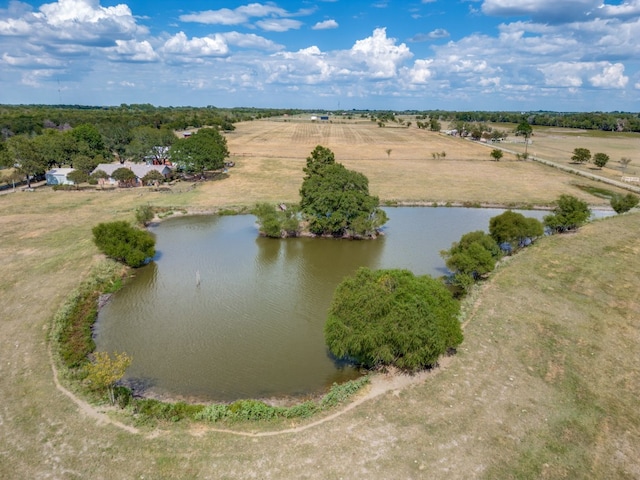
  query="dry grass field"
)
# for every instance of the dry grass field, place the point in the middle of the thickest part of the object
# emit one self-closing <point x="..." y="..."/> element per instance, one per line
<point x="545" y="384"/>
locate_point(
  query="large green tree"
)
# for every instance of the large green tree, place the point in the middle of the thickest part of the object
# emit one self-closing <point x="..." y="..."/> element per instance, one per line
<point x="26" y="156"/>
<point x="204" y="150"/>
<point x="89" y="139"/>
<point x="336" y="201"/>
<point x="392" y="317"/>
<point x="514" y="228"/>
<point x="570" y="213"/>
<point x="150" y="142"/>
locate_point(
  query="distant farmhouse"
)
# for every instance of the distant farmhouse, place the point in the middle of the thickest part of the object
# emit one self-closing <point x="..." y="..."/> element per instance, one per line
<point x="58" y="176"/>
<point x="139" y="169"/>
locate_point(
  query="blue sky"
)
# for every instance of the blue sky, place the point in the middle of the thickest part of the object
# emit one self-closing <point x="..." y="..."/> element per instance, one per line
<point x="561" y="55"/>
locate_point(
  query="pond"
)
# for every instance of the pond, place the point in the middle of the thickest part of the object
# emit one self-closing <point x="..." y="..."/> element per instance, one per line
<point x="223" y="314"/>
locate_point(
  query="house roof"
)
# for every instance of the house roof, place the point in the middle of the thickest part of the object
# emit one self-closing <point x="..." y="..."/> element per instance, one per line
<point x="60" y="171"/>
<point x="140" y="169"/>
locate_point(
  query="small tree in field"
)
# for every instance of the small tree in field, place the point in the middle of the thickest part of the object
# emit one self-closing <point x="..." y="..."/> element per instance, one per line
<point x="600" y="159"/>
<point x="497" y="154"/>
<point x="392" y="318"/>
<point x="581" y="155"/>
<point x="624" y="163"/>
<point x="104" y="371"/>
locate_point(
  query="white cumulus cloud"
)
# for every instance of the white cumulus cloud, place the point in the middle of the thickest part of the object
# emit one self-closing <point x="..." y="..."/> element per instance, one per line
<point x="211" y="46"/>
<point x="325" y="25"/>
<point x="380" y="53"/>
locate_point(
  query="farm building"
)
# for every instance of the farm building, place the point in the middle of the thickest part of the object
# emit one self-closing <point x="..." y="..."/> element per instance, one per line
<point x="58" y="176"/>
<point x="139" y="169"/>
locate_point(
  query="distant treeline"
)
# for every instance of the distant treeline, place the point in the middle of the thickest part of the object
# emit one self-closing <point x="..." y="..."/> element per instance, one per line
<point x="607" y="121"/>
<point x="33" y="119"/>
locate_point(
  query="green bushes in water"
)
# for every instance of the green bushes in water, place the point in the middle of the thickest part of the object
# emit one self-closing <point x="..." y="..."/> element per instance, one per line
<point x="124" y="243"/>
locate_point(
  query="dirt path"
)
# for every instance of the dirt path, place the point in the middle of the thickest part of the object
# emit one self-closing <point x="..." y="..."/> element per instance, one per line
<point x="87" y="409"/>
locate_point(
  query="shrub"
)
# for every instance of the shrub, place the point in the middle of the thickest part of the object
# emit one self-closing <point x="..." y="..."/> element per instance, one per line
<point x="144" y="214"/>
<point x="472" y="257"/>
<point x="392" y="317"/>
<point x="277" y="222"/>
<point x="122" y="242"/>
<point x="622" y="204"/>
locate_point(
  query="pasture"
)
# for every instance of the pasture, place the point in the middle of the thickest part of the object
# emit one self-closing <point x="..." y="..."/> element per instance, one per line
<point x="545" y="384"/>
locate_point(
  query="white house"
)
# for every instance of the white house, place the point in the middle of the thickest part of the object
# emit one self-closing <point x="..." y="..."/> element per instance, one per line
<point x="139" y="169"/>
<point x="58" y="176"/>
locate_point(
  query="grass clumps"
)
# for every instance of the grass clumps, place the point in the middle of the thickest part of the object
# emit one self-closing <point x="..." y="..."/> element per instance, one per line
<point x="256" y="410"/>
<point x="71" y="332"/>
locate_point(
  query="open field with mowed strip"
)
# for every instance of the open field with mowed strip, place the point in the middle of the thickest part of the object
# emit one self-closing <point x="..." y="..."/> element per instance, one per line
<point x="545" y="385"/>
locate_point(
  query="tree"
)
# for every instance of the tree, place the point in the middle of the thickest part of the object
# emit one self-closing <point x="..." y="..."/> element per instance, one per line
<point x="496" y="154"/>
<point x="600" y="159"/>
<point x="392" y="317"/>
<point x="27" y="157"/>
<point x="78" y="176"/>
<point x="514" y="228"/>
<point x="104" y="372"/>
<point x="581" y="155"/>
<point x="622" y="204"/>
<point x="117" y="135"/>
<point x="150" y="142"/>
<point x="124" y="243"/>
<point x="89" y="138"/>
<point x="144" y="215"/>
<point x="570" y="213"/>
<point x="124" y="176"/>
<point x="56" y="147"/>
<point x="525" y="130"/>
<point x="152" y="177"/>
<point x="336" y="201"/>
<point x="277" y="222"/>
<point x="86" y="163"/>
<point x="319" y="157"/>
<point x="204" y="150"/>
<point x="97" y="175"/>
<point x="434" y="124"/>
<point x="471" y="258"/>
<point x="624" y="163"/>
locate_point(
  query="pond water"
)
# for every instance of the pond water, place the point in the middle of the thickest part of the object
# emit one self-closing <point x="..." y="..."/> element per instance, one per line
<point x="223" y="314"/>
